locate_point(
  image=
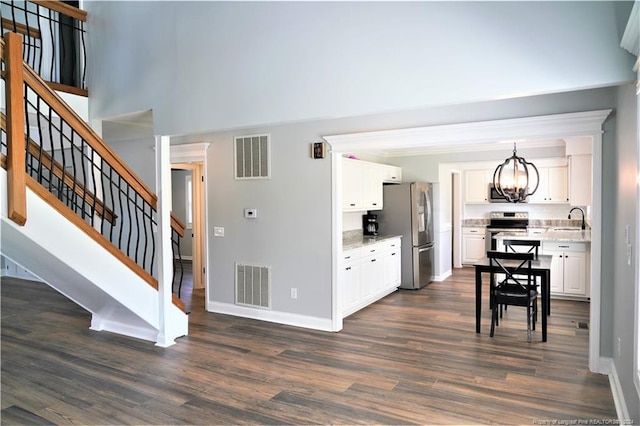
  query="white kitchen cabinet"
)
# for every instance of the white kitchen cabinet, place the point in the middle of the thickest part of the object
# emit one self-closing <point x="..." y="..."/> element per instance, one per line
<point x="392" y="268"/>
<point x="474" y="245"/>
<point x="553" y="187"/>
<point x="580" y="181"/>
<point x="568" y="268"/>
<point x="476" y="186"/>
<point x="362" y="184"/>
<point x="372" y="186"/>
<point x="369" y="274"/>
<point x="350" y="279"/>
<point x="391" y="174"/>
<point x="352" y="177"/>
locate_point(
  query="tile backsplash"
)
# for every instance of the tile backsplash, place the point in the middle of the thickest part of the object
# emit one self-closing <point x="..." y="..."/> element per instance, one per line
<point x="352" y="221"/>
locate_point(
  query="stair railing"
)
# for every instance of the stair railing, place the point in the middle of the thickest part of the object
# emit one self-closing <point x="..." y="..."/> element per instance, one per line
<point x="51" y="150"/>
<point x="54" y="40"/>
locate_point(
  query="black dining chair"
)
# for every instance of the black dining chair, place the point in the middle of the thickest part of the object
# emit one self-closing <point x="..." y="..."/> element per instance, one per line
<point x="519" y="246"/>
<point x="515" y="286"/>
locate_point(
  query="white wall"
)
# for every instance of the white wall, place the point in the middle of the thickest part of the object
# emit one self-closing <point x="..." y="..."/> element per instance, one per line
<point x="203" y="66"/>
<point x="623" y="293"/>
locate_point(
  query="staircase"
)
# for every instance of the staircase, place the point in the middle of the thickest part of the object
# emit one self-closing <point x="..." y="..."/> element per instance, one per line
<point x="75" y="216"/>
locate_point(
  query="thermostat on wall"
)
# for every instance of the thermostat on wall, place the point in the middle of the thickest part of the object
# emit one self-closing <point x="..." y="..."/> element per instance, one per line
<point x="250" y="213"/>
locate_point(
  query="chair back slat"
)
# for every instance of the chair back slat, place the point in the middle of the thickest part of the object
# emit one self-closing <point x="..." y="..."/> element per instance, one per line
<point x="511" y="244"/>
<point x="514" y="266"/>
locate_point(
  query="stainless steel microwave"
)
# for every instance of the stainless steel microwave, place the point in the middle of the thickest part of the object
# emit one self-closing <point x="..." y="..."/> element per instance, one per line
<point x="494" y="197"/>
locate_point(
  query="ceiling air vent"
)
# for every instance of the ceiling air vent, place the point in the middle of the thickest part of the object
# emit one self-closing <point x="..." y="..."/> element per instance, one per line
<point x="253" y="285"/>
<point x="252" y="157"/>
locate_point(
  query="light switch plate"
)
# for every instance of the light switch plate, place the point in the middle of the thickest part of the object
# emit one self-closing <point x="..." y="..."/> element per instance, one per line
<point x="218" y="231"/>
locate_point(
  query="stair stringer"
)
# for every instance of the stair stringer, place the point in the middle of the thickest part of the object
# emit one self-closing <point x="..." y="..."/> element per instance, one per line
<point x="63" y="256"/>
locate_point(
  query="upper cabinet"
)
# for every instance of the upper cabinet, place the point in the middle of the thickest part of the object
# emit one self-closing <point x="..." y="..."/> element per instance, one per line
<point x="362" y="184"/>
<point x="391" y="174"/>
<point x="553" y="187"/>
<point x="476" y="186"/>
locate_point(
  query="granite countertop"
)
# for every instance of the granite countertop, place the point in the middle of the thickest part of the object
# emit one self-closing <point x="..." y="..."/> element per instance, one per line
<point x="577" y="236"/>
<point x="364" y="240"/>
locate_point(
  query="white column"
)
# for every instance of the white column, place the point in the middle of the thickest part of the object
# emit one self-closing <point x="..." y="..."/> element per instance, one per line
<point x="164" y="253"/>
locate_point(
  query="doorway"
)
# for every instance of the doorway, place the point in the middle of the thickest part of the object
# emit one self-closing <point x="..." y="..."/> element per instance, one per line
<point x="189" y="200"/>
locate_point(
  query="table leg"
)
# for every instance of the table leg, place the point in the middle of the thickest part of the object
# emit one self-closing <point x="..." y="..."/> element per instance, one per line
<point x="478" y="298"/>
<point x="546" y="289"/>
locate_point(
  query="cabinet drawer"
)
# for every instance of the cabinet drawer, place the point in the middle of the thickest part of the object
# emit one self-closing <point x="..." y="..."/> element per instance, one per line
<point x="392" y="245"/>
<point x="351" y="255"/>
<point x="560" y="246"/>
<point x="466" y="230"/>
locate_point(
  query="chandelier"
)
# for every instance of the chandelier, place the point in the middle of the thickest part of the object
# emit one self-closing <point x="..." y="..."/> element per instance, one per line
<point x="511" y="179"/>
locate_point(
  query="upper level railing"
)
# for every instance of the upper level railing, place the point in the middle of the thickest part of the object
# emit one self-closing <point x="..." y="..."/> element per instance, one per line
<point x="73" y="169"/>
<point x="53" y="35"/>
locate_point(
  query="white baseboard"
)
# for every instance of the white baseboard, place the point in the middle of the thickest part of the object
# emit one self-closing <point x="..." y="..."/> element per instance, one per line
<point x="608" y="367"/>
<point x="297" y="320"/>
<point x="442" y="277"/>
<point x="189" y="258"/>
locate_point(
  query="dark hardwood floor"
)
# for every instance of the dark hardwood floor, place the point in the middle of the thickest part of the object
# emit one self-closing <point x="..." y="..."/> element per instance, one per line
<point x="412" y="358"/>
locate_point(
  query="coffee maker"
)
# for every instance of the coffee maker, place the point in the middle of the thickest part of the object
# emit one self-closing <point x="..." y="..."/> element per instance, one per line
<point x="370" y="224"/>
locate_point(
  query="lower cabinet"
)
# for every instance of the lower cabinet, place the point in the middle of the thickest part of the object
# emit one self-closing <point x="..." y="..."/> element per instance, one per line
<point x="568" y="268"/>
<point x="368" y="274"/>
<point x="474" y="245"/>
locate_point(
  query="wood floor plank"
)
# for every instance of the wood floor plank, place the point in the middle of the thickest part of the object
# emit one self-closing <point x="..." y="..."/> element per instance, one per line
<point x="411" y="358"/>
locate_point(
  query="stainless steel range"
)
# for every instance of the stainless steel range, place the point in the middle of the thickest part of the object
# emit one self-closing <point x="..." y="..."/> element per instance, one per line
<point x="505" y="222"/>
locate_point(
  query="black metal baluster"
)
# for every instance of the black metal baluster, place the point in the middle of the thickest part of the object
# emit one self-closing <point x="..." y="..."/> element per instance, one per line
<point x="113" y="205"/>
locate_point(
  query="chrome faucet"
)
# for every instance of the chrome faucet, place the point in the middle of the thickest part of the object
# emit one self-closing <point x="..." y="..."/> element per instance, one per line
<point x="581" y="211"/>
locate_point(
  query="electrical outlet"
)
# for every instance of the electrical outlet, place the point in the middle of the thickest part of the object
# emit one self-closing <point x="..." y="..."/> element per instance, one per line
<point x="218" y="231"/>
<point x="294" y="293"/>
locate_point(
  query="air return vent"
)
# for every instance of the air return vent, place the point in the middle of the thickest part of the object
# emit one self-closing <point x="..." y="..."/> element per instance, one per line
<point x="252" y="157"/>
<point x="253" y="285"/>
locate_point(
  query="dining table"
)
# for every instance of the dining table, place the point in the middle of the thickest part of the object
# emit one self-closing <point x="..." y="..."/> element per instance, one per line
<point x="540" y="267"/>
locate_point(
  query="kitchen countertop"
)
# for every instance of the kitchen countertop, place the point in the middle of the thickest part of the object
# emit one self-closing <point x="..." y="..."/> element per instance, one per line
<point x="365" y="240"/>
<point x="578" y="236"/>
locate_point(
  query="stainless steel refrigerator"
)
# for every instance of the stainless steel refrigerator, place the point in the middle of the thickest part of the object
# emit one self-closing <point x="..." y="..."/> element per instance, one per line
<point x="408" y="211"/>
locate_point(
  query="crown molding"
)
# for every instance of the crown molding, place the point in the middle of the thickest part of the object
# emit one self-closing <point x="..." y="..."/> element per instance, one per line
<point x="188" y="153"/>
<point x="456" y="136"/>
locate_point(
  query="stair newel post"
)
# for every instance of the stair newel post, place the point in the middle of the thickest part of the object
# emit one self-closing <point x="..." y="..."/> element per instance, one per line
<point x="164" y="253"/>
<point x="16" y="145"/>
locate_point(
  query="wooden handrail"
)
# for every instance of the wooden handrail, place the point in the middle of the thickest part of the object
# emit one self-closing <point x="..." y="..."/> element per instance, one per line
<point x="56" y="103"/>
<point x="177" y="225"/>
<point x="85" y="132"/>
<point x="21" y="28"/>
<point x="43" y="193"/>
<point x="68" y="180"/>
<point x="65" y="9"/>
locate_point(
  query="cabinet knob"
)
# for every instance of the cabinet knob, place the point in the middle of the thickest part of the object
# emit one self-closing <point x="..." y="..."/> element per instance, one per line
<point x="352" y="204"/>
<point x="348" y="268"/>
<point x="373" y="260"/>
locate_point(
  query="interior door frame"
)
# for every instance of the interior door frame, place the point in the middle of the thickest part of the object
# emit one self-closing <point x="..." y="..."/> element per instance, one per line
<point x="197" y="220"/>
<point x="189" y="154"/>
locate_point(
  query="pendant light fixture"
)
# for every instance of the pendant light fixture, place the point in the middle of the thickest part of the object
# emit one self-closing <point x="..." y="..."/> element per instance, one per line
<point x="511" y="179"/>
